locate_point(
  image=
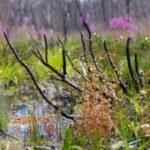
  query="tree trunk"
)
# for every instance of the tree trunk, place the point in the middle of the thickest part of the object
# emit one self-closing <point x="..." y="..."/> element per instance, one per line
<point x="103" y="10"/>
<point x="128" y="6"/>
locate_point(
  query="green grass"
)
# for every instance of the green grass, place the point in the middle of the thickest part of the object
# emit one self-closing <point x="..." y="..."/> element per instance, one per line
<point x="12" y="72"/>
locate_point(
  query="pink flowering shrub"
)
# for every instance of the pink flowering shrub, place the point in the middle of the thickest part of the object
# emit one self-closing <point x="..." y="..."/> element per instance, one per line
<point x="29" y="30"/>
<point x="26" y="20"/>
<point x="26" y="30"/>
<point x="87" y="20"/>
<point x="124" y="23"/>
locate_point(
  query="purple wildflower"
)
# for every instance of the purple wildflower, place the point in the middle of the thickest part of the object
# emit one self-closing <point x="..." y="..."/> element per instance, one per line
<point x="33" y="29"/>
<point x="26" y="20"/>
<point x="91" y="27"/>
<point x="81" y="20"/>
<point x="87" y="17"/>
<point x="124" y="23"/>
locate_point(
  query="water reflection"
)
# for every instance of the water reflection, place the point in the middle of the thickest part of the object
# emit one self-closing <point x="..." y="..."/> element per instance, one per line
<point x="22" y="113"/>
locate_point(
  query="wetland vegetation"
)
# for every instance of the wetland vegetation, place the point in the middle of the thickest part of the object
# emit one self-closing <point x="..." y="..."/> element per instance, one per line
<point x="85" y="90"/>
<point x="111" y="122"/>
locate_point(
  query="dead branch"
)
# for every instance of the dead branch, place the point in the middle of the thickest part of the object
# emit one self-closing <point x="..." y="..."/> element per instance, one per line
<point x="137" y="71"/>
<point x="46" y="49"/>
<point x="129" y="63"/>
<point x="90" y="46"/>
<point x="84" y="48"/>
<point x="64" y="58"/>
<point x="63" y="79"/>
<point x="86" y="26"/>
<point x="122" y="84"/>
<point x="72" y="117"/>
<point x="72" y="64"/>
<point x="8" y="135"/>
<point x="85" y="52"/>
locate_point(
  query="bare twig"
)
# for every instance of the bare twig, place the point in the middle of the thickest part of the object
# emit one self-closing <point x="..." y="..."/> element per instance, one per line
<point x="137" y="71"/>
<point x="84" y="48"/>
<point x="86" y="26"/>
<point x="46" y="48"/>
<point x="85" y="52"/>
<point x="59" y="74"/>
<point x="72" y="64"/>
<point x="40" y="54"/>
<point x="40" y="58"/>
<point x="8" y="135"/>
<point x="64" y="58"/>
<point x="128" y="59"/>
<point x="64" y="63"/>
<point x="46" y="64"/>
<point x="90" y="46"/>
<point x="62" y="77"/>
<point x="122" y="84"/>
<point x="129" y="63"/>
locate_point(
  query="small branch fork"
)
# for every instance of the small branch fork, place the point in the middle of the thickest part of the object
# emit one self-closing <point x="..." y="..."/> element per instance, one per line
<point x="72" y="64"/>
<point x="62" y="76"/>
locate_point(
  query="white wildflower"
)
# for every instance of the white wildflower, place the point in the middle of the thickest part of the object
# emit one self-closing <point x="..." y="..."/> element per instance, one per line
<point x="121" y="37"/>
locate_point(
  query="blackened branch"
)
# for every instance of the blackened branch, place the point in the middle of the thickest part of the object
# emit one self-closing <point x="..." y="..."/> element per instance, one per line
<point x="46" y="64"/>
<point x="129" y="63"/>
<point x="72" y="117"/>
<point x="64" y="63"/>
<point x="72" y="64"/>
<point x="41" y="58"/>
<point x="64" y="58"/>
<point x="84" y="48"/>
<point x="122" y="84"/>
<point x="86" y="26"/>
<point x="72" y="84"/>
<point x="36" y="55"/>
<point x="109" y="57"/>
<point x="46" y="49"/>
<point x="128" y="59"/>
<point x="90" y="46"/>
<point x="85" y="53"/>
<point x="137" y="70"/>
<point x="2" y="132"/>
<point x="76" y="87"/>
